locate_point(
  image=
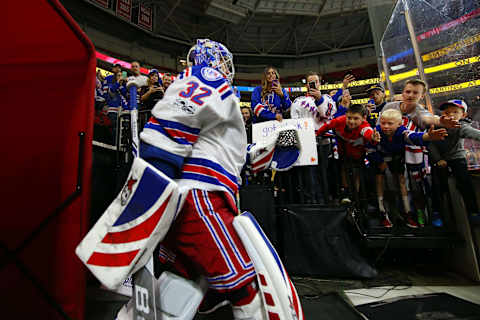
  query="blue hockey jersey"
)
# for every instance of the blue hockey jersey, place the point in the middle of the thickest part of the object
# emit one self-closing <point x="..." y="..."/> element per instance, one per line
<point x="265" y="109"/>
<point x="394" y="145"/>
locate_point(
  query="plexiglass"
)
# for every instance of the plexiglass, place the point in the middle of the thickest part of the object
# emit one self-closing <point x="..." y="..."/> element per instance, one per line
<point x="448" y="38"/>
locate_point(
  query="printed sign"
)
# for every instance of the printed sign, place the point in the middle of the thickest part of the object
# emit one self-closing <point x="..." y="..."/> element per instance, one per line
<point x="145" y="17"/>
<point x="124" y="9"/>
<point x="306" y="133"/>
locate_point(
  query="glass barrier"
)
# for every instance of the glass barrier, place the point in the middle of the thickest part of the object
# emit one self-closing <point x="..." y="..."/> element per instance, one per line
<point x="447" y="34"/>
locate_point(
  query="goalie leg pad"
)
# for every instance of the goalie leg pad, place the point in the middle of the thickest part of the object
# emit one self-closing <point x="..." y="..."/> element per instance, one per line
<point x="251" y="311"/>
<point x="280" y="299"/>
<point x="124" y="237"/>
<point x="126" y="312"/>
<point x="179" y="298"/>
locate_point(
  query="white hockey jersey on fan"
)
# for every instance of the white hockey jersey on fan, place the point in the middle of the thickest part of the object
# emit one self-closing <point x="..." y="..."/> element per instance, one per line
<point x="199" y="119"/>
<point x="305" y="107"/>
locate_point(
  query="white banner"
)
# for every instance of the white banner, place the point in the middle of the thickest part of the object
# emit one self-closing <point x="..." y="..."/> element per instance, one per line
<point x="308" y="155"/>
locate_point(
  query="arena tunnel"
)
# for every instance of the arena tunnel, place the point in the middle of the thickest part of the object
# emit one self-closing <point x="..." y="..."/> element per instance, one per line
<point x="65" y="164"/>
<point x="48" y="81"/>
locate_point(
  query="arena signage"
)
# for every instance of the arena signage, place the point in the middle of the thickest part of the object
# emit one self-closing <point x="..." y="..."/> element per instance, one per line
<point x="145" y="17"/>
<point x="457" y="86"/>
<point x="454" y="64"/>
<point x="437" y="30"/>
<point x="124" y="9"/>
<point x="453" y="47"/>
<point x="352" y="84"/>
<point x="473" y="14"/>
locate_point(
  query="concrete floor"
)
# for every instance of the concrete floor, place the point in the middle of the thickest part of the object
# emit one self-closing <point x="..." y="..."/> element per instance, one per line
<point x="368" y="295"/>
<point x="103" y="305"/>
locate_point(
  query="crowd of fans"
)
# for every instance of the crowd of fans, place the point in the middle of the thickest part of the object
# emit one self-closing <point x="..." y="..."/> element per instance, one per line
<point x="358" y="146"/>
<point x="112" y="97"/>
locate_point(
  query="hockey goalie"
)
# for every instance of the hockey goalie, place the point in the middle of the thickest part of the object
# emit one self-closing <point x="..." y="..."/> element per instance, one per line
<point x="179" y="205"/>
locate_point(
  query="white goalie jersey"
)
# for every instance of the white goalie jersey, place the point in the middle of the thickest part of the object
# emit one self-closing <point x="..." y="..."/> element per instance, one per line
<point x="199" y="120"/>
<point x="305" y="107"/>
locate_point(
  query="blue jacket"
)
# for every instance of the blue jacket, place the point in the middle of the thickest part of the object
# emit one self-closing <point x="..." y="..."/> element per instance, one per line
<point x="114" y="94"/>
<point x="267" y="109"/>
<point x="394" y="145"/>
<point x="341" y="110"/>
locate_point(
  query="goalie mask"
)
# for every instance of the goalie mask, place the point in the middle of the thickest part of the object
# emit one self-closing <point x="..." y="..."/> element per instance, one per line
<point x="212" y="54"/>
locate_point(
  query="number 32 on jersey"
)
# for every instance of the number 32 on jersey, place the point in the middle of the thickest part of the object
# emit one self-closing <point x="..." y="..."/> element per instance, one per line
<point x="195" y="93"/>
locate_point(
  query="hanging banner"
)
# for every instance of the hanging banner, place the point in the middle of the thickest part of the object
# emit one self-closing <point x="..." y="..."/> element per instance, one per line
<point x="124" y="9"/>
<point x="145" y="17"/>
<point x="102" y="3"/>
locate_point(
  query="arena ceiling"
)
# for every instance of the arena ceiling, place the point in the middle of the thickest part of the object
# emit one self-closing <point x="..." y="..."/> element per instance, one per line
<point x="260" y="29"/>
<point x="275" y="28"/>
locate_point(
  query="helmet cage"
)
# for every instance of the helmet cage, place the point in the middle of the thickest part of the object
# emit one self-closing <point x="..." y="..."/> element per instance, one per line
<point x="212" y="54"/>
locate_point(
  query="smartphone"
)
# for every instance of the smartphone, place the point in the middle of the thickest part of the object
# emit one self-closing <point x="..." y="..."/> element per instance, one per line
<point x="124" y="74"/>
<point x="312" y="85"/>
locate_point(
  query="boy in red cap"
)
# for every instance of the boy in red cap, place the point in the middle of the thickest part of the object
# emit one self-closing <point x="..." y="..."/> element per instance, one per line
<point x="451" y="153"/>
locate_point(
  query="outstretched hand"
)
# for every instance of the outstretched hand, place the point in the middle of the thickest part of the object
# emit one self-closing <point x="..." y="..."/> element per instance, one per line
<point x="449" y="122"/>
<point x="442" y="163"/>
<point x="435" y="134"/>
<point x="376" y="137"/>
<point x="346" y="81"/>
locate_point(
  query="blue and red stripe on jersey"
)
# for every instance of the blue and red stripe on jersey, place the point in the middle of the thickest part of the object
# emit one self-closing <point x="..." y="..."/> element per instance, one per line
<point x="210" y="172"/>
<point x="225" y="90"/>
<point x="258" y="109"/>
<point x="203" y="168"/>
<point x="176" y="131"/>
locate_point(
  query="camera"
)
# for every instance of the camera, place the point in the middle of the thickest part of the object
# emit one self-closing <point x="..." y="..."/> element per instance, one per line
<point x="312" y="85"/>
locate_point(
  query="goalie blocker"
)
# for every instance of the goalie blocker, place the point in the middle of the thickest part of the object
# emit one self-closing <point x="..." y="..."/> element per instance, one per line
<point x="280" y="151"/>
